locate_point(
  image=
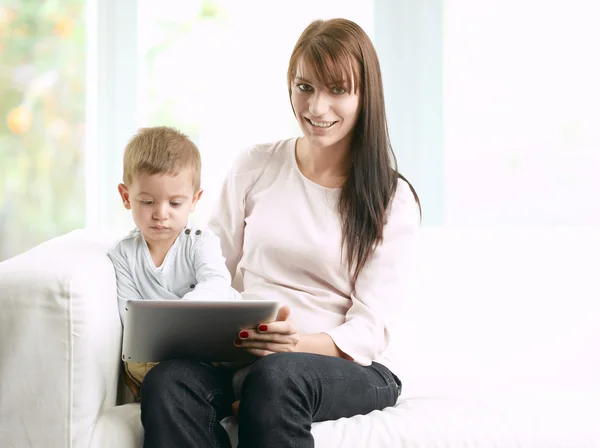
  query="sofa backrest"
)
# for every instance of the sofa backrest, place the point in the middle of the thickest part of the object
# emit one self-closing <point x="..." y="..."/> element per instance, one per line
<point x="501" y="306"/>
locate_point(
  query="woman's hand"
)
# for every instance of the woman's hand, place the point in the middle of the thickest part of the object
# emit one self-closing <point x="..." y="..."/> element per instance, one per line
<point x="273" y="337"/>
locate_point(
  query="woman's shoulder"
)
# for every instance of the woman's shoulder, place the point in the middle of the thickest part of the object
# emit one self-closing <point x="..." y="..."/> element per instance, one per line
<point x="257" y="157"/>
<point x="263" y="161"/>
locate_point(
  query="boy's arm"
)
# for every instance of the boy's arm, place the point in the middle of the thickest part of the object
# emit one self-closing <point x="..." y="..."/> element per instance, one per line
<point x="126" y="289"/>
<point x="213" y="281"/>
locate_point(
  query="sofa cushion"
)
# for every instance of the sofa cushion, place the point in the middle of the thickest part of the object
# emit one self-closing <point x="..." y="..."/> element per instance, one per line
<point x="519" y="419"/>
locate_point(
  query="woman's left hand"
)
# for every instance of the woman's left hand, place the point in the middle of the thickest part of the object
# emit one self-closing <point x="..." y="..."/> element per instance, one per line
<point x="273" y="337"/>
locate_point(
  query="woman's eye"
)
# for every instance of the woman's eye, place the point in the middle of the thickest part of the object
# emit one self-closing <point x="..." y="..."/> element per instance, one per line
<point x="304" y="87"/>
<point x="338" y="90"/>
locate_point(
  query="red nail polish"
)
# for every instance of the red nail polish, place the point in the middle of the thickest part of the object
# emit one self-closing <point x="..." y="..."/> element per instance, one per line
<point x="262" y="328"/>
<point x="244" y="334"/>
<point x="237" y="342"/>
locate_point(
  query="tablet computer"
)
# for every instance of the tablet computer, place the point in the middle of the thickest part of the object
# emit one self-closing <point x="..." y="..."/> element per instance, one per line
<point x="157" y="330"/>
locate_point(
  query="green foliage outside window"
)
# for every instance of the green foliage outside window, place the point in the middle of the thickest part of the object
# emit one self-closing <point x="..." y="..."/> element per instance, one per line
<point x="42" y="111"/>
<point x="42" y="121"/>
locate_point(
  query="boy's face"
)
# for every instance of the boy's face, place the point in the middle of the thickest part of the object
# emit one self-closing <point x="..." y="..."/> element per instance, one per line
<point x="160" y="204"/>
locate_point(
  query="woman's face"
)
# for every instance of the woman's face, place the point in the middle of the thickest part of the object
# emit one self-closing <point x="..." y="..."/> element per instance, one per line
<point x="326" y="114"/>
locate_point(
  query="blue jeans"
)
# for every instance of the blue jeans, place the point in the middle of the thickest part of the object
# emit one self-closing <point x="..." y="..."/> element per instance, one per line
<point x="183" y="401"/>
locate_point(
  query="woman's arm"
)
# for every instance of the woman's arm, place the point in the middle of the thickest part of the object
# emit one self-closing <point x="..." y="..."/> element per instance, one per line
<point x="375" y="299"/>
<point x="381" y="284"/>
<point x="321" y="344"/>
<point x="227" y="219"/>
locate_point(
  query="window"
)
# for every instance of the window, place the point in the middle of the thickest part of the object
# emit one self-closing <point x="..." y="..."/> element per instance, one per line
<point x="493" y="106"/>
<point x="42" y="126"/>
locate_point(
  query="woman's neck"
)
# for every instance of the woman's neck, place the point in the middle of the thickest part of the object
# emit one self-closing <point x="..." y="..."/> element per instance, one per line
<point x="325" y="166"/>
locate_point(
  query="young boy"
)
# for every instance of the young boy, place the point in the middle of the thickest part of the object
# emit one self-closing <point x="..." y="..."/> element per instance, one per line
<point x="163" y="258"/>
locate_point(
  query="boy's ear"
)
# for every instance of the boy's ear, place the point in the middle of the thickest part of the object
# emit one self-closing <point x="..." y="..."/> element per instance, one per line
<point x="196" y="198"/>
<point x="124" y="193"/>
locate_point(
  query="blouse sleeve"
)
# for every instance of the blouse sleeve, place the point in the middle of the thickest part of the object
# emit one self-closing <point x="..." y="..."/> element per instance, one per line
<point x="228" y="217"/>
<point x="366" y="332"/>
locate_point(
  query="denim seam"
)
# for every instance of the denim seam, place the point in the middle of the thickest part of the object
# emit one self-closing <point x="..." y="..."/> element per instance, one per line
<point x="376" y="388"/>
<point x="290" y="379"/>
<point x="213" y="416"/>
<point x="211" y="422"/>
<point x="346" y="379"/>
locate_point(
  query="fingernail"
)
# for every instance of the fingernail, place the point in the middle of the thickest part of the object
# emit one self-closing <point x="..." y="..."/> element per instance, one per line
<point x="237" y="342"/>
<point x="262" y="328"/>
<point x="244" y="334"/>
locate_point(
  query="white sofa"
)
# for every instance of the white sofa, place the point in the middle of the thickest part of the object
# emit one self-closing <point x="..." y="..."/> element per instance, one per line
<point x="498" y="340"/>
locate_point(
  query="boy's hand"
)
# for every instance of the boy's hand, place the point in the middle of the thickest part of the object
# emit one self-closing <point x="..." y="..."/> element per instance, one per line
<point x="274" y="337"/>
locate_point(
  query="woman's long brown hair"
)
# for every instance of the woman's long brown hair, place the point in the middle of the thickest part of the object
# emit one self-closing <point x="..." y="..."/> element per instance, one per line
<point x="333" y="51"/>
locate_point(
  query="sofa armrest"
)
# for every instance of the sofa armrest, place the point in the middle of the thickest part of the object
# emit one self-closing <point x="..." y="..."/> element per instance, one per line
<point x="60" y="341"/>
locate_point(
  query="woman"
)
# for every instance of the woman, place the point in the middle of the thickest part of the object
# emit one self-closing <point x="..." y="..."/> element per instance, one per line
<point x="322" y="223"/>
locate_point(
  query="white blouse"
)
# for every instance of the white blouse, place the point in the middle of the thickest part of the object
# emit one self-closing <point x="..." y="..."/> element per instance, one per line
<point x="282" y="232"/>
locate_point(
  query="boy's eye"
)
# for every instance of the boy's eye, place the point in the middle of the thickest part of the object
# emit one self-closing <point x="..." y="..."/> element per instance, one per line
<point x="175" y="204"/>
<point x="304" y="87"/>
<point x="338" y="90"/>
<point x="147" y="202"/>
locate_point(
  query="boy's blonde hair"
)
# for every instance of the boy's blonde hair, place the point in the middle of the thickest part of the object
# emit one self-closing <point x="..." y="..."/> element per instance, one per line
<point x="161" y="150"/>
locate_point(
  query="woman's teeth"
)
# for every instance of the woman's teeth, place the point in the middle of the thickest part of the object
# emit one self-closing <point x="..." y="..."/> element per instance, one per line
<point x="322" y="124"/>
